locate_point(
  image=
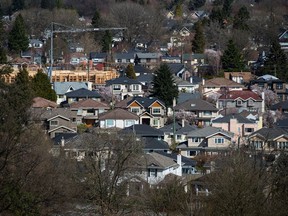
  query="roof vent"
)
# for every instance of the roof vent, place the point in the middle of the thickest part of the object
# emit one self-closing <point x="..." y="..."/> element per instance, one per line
<point x="193" y="105"/>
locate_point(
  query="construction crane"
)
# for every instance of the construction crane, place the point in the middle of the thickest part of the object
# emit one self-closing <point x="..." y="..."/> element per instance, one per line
<point x="70" y="30"/>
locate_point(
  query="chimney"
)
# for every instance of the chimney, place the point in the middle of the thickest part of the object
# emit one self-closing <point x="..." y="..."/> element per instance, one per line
<point x="203" y="82"/>
<point x="179" y="162"/>
<point x="263" y="102"/>
<point x="183" y="122"/>
<point x="174" y="102"/>
<point x="62" y="142"/>
<point x="191" y="79"/>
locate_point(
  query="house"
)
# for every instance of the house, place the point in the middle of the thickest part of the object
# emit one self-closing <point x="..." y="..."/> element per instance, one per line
<point x="217" y="84"/>
<point x="39" y="102"/>
<point x="202" y="110"/>
<point x="177" y="69"/>
<point x="117" y="118"/>
<point x="208" y="141"/>
<point x="156" y="166"/>
<point x="241" y="100"/>
<point x="184" y="86"/>
<point x="35" y="43"/>
<point x="171" y="59"/>
<point x="82" y="94"/>
<point x="154" y="145"/>
<point x="170" y="15"/>
<point x="149" y="60"/>
<point x="57" y="120"/>
<point x="61" y="88"/>
<point x="196" y="15"/>
<point x="169" y="131"/>
<point x="151" y="111"/>
<point x="124" y="87"/>
<point x="88" y="111"/>
<point x="238" y="125"/>
<point x="239" y="77"/>
<point x="184" y="32"/>
<point x="272" y="83"/>
<point x="97" y="57"/>
<point x="282" y="106"/>
<point x="124" y="58"/>
<point x="283" y="40"/>
<point x="268" y="140"/>
<point x="141" y="70"/>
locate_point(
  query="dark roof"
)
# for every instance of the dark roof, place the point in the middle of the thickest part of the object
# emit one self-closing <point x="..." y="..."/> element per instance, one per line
<point x="89" y="103"/>
<point x="66" y="136"/>
<point x="227" y="118"/>
<point x="269" y="133"/>
<point x="144" y="101"/>
<point x="146" y="78"/>
<point x="154" y="144"/>
<point x="187" y="96"/>
<point x="83" y="93"/>
<point x="175" y="67"/>
<point x="195" y="105"/>
<point x="122" y="80"/>
<point x="185" y="160"/>
<point x="195" y="79"/>
<point x="97" y="55"/>
<point x="282" y="123"/>
<point x="186" y="129"/>
<point x="141" y="69"/>
<point x="124" y="55"/>
<point x="118" y="113"/>
<point x="169" y="127"/>
<point x="143" y="130"/>
<point x="280" y="105"/>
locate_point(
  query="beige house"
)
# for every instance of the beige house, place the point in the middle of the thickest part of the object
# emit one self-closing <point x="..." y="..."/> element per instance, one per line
<point x="208" y="141"/>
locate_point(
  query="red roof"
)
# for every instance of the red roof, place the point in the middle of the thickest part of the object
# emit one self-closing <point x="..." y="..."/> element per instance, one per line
<point x="244" y="95"/>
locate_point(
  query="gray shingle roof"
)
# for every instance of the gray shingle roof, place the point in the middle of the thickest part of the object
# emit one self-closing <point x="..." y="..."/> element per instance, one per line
<point x="83" y="93"/>
<point x="195" y="105"/>
<point x="187" y="96"/>
<point x="227" y="118"/>
<point x="154" y="144"/>
<point x="143" y="130"/>
<point x="62" y="87"/>
<point x="269" y="133"/>
<point x="176" y="67"/>
<point x="157" y="160"/>
<point x="169" y="128"/>
<point x="186" y="129"/>
<point x="129" y="55"/>
<point x="282" y="104"/>
<point x="118" y="114"/>
<point x="208" y="131"/>
<point x="145" y="102"/>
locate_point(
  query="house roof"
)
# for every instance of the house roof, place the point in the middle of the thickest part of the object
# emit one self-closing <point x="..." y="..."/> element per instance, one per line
<point x="83" y="93"/>
<point x="62" y="126"/>
<point x="221" y="82"/>
<point x="195" y="105"/>
<point x="59" y="136"/>
<point x="89" y="103"/>
<point x="63" y="87"/>
<point x="45" y="114"/>
<point x="182" y="96"/>
<point x="148" y="55"/>
<point x="176" y="67"/>
<point x="157" y="160"/>
<point x="154" y="144"/>
<point x="145" y="102"/>
<point x="185" y="161"/>
<point x="247" y="76"/>
<point x="39" y="102"/>
<point x="97" y="55"/>
<point x="118" y="114"/>
<point x="243" y="95"/>
<point x="143" y="130"/>
<point x="186" y="129"/>
<point x="123" y="103"/>
<point x="181" y="82"/>
<point x="125" y="55"/>
<point x="141" y="69"/>
<point x="209" y="131"/>
<point x="280" y="105"/>
<point x="269" y="133"/>
<point x="238" y="117"/>
<point x="122" y="80"/>
<point x="169" y="127"/>
<point x="145" y="78"/>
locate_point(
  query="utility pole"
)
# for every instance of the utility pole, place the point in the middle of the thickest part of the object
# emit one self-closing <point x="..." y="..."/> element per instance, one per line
<point x="69" y="29"/>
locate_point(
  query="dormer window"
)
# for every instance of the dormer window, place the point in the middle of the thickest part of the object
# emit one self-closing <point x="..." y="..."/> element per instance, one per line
<point x="250" y="102"/>
<point x="239" y="102"/>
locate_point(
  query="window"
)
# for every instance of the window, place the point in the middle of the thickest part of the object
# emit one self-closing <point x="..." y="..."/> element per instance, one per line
<point x="155" y="122"/>
<point x="60" y="96"/>
<point x="250" y="103"/>
<point x="207" y="113"/>
<point x="191" y="153"/>
<point x="127" y="60"/>
<point x="239" y="103"/>
<point x="119" y="60"/>
<point x="110" y="123"/>
<point x="135" y="87"/>
<point x="249" y="130"/>
<point x="135" y="110"/>
<point x="54" y="123"/>
<point x="116" y="87"/>
<point x="219" y="140"/>
<point x="282" y="145"/>
<point x="74" y="120"/>
<point x="128" y="123"/>
<point x="257" y="144"/>
<point x="178" y="137"/>
<point x="279" y="86"/>
<point x="196" y="139"/>
<point x="152" y="172"/>
<point x="156" y="110"/>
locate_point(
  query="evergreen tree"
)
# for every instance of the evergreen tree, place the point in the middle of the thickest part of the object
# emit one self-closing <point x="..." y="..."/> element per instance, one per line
<point x="241" y="18"/>
<point x="276" y="62"/>
<point x="106" y="41"/>
<point x="3" y="56"/>
<point x="195" y="4"/>
<point x="232" y="59"/>
<point x="130" y="72"/>
<point x="96" y="19"/>
<point x="178" y="10"/>
<point x="41" y="86"/>
<point x="164" y="86"/>
<point x="227" y="8"/>
<point x="198" y="43"/>
<point x="18" y="39"/>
